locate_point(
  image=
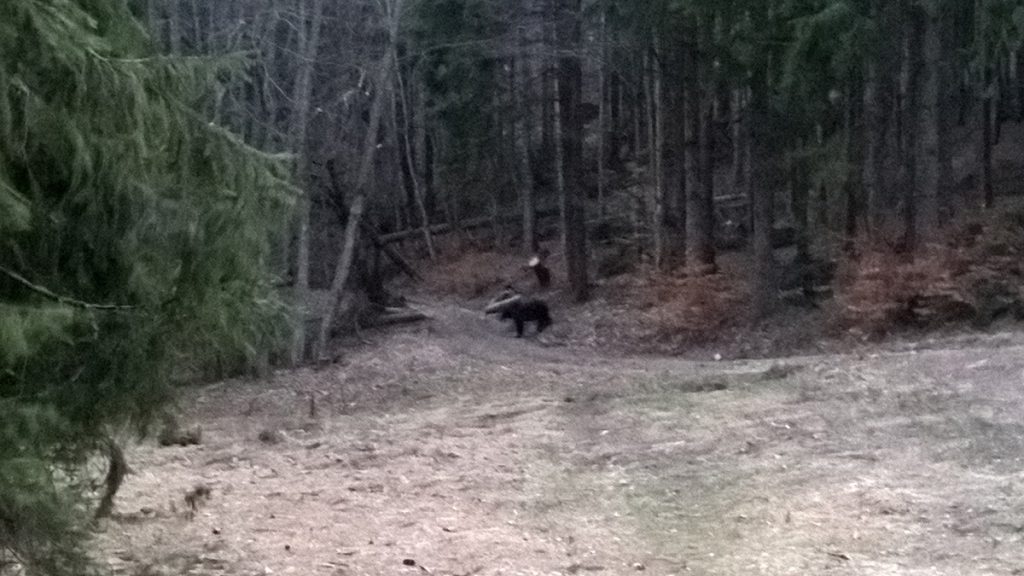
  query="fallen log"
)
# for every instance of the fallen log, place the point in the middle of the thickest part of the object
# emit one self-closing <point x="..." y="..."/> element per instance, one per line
<point x="443" y="228"/>
<point x="366" y="227"/>
<point x="396" y="316"/>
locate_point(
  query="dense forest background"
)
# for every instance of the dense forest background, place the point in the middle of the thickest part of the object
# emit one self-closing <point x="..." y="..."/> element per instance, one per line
<point x="651" y="134"/>
<point x="174" y="173"/>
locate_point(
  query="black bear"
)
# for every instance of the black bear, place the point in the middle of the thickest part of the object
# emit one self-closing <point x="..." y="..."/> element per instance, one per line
<point x="525" y="310"/>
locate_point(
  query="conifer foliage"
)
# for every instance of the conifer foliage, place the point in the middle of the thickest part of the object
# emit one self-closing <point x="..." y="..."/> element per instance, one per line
<point x="135" y="237"/>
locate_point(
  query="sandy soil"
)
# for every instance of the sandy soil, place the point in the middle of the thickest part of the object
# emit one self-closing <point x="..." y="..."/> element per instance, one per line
<point x="452" y="448"/>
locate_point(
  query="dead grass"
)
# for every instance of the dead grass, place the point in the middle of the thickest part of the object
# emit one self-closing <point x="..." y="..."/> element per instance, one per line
<point x="904" y="464"/>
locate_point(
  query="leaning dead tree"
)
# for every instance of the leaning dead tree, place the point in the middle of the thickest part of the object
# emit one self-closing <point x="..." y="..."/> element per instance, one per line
<point x="343" y="268"/>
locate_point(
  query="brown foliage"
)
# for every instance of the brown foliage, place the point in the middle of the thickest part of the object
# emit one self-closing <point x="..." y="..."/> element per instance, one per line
<point x="974" y="276"/>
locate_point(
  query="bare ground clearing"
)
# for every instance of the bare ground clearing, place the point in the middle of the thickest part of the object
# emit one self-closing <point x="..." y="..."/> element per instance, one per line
<point x="467" y="451"/>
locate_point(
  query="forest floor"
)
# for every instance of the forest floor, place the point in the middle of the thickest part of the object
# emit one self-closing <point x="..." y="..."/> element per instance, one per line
<point x="453" y="448"/>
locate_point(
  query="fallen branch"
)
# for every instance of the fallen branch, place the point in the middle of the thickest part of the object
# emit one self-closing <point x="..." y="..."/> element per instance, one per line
<point x="435" y="229"/>
<point x="43" y="291"/>
<point x="397" y="317"/>
<point x="472" y="223"/>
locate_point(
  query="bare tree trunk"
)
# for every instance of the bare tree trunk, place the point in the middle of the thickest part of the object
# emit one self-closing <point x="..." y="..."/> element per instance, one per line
<point x="1016" y="82"/>
<point x="656" y="144"/>
<point x="174" y="26"/>
<point x="518" y="72"/>
<point x="311" y="16"/>
<point x="910" y="80"/>
<point x="705" y="252"/>
<point x="570" y="84"/>
<point x="406" y="145"/>
<point x="739" y="146"/>
<point x="800" y="202"/>
<point x="341" y="272"/>
<point x="933" y="170"/>
<point x="601" y="113"/>
<point x="614" y="130"/>
<point x="852" y="188"/>
<point x="874" y="143"/>
<point x="199" y="42"/>
<point x="679" y="156"/>
<point x="270" y="46"/>
<point x="762" y="200"/>
<point x="699" y="200"/>
<point x="638" y="112"/>
<point x="985" y="157"/>
<point x="549" y="141"/>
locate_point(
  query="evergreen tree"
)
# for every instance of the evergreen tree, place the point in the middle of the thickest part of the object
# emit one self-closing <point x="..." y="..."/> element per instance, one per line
<point x="134" y="241"/>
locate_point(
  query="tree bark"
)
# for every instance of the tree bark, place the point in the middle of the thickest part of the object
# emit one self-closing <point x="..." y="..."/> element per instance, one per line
<point x="739" y="147"/>
<point x="875" y="116"/>
<point x="570" y="84"/>
<point x="934" y="168"/>
<point x="366" y="163"/>
<point x="341" y="274"/>
<point x="852" y="188"/>
<point x="910" y="87"/>
<point x="614" y="147"/>
<point x="549" y="143"/>
<point x="762" y="197"/>
<point x="656" y="144"/>
<point x="1017" y="82"/>
<point x="174" y="26"/>
<point x="705" y="252"/>
<point x="311" y="16"/>
<point x="601" y="109"/>
<point x="700" y="194"/>
<point x="985" y="157"/>
<point x="406" y="146"/>
<point x="800" y="203"/>
<point x="524" y="172"/>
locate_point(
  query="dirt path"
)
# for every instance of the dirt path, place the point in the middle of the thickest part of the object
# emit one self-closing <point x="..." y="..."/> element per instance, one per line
<point x="461" y="449"/>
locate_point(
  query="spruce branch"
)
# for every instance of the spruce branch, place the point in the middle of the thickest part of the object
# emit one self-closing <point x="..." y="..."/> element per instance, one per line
<point x="44" y="291"/>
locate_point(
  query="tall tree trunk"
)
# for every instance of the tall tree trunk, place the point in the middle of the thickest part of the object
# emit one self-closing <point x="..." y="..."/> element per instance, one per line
<point x="174" y="26"/>
<point x="602" y="81"/>
<point x="518" y="73"/>
<point x="706" y="255"/>
<point x="615" y="122"/>
<point x="638" y="113"/>
<point x="549" y="139"/>
<point x="699" y="172"/>
<point x="934" y="168"/>
<point x="366" y="163"/>
<point x="876" y="115"/>
<point x="1017" y="82"/>
<point x="762" y="196"/>
<point x="570" y="84"/>
<point x="800" y="203"/>
<point x="656" y="145"/>
<point x="739" y="145"/>
<point x="310" y="19"/>
<point x="405" y="144"/>
<point x="429" y="184"/>
<point x="911" y="88"/>
<point x="852" y="188"/>
<point x="985" y="157"/>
